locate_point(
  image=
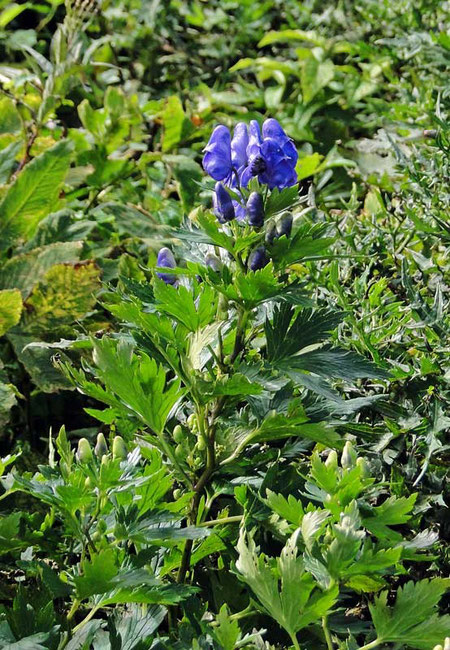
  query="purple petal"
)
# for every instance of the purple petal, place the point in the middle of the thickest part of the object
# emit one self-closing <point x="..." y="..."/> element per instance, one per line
<point x="272" y="129"/>
<point x="239" y="145"/>
<point x="217" y="158"/>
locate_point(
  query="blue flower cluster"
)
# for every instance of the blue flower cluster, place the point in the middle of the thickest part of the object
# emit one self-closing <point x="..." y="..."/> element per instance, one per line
<point x="269" y="155"/>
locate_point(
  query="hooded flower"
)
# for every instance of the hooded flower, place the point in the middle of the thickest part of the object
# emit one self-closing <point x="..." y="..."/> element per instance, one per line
<point x="166" y="260"/>
<point x="217" y="158"/>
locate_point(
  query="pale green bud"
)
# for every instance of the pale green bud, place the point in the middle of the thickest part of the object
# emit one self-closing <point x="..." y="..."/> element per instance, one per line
<point x="361" y="463"/>
<point x="101" y="448"/>
<point x="84" y="451"/>
<point x="348" y="458"/>
<point x="119" y="448"/>
<point x="332" y="459"/>
<point x="178" y="434"/>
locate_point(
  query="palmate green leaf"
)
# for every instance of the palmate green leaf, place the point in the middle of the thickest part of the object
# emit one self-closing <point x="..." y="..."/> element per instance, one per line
<point x="393" y="511"/>
<point x="34" y="194"/>
<point x="136" y="625"/>
<point x="334" y="363"/>
<point x="286" y="338"/>
<point x="24" y="271"/>
<point x="306" y="241"/>
<point x="279" y="201"/>
<point x="278" y="426"/>
<point x="96" y="574"/>
<point x="284" y="590"/>
<point x="288" y="508"/>
<point x="179" y="302"/>
<point x="227" y="632"/>
<point x="413" y="620"/>
<point x="10" y="309"/>
<point x="138" y="381"/>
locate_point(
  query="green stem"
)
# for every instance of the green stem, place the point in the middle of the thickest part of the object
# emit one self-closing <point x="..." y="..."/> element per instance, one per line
<point x="372" y="644"/>
<point x="294" y="641"/>
<point x="223" y="520"/>
<point x="75" y="605"/>
<point x="87" y="618"/>
<point x="240" y="334"/>
<point x="326" y="632"/>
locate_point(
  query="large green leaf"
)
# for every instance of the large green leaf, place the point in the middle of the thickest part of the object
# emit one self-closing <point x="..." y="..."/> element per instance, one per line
<point x="309" y="327"/>
<point x="413" y="619"/>
<point x="284" y="590"/>
<point x="138" y="381"/>
<point x="34" y="194"/>
<point x="10" y="309"/>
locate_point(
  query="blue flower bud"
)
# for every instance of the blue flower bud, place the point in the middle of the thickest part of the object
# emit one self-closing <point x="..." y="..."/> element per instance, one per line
<point x="271" y="234"/>
<point x="166" y="260"/>
<point x="255" y="210"/>
<point x="222" y="204"/>
<point x="258" y="259"/>
<point x="213" y="262"/>
<point x="285" y="225"/>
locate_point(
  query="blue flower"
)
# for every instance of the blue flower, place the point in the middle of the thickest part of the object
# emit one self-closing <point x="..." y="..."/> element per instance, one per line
<point x="255" y="210"/>
<point x="222" y="204"/>
<point x="239" y="145"/>
<point x="166" y="260"/>
<point x="269" y="155"/>
<point x="217" y="159"/>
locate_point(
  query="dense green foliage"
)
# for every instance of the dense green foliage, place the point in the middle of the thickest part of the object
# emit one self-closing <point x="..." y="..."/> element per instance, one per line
<point x="271" y="447"/>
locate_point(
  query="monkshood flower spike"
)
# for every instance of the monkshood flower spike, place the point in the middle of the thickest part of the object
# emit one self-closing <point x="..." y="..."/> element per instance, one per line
<point x="166" y="260"/>
<point x="270" y="155"/>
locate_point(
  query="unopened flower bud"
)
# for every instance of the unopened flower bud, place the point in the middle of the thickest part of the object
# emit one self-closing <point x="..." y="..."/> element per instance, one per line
<point x="332" y="459"/>
<point x="271" y="234"/>
<point x="285" y="225"/>
<point x="361" y="463"/>
<point x="223" y="206"/>
<point x="348" y="458"/>
<point x="213" y="262"/>
<point x="258" y="259"/>
<point x="119" y="448"/>
<point x="84" y="451"/>
<point x="166" y="260"/>
<point x="178" y="435"/>
<point x="255" y="210"/>
<point x="101" y="448"/>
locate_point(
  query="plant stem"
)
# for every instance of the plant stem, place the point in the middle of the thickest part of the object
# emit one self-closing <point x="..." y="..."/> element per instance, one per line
<point x="372" y="644"/>
<point x="240" y="334"/>
<point x="294" y="641"/>
<point x="326" y="632"/>
<point x="209" y="434"/>
<point x="224" y="520"/>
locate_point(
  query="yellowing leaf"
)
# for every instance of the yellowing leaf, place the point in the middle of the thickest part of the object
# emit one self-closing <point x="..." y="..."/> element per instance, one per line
<point x="66" y="293"/>
<point x="10" y="309"/>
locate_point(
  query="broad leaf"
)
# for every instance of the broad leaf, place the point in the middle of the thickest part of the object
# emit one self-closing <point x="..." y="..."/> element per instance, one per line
<point x="34" y="194"/>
